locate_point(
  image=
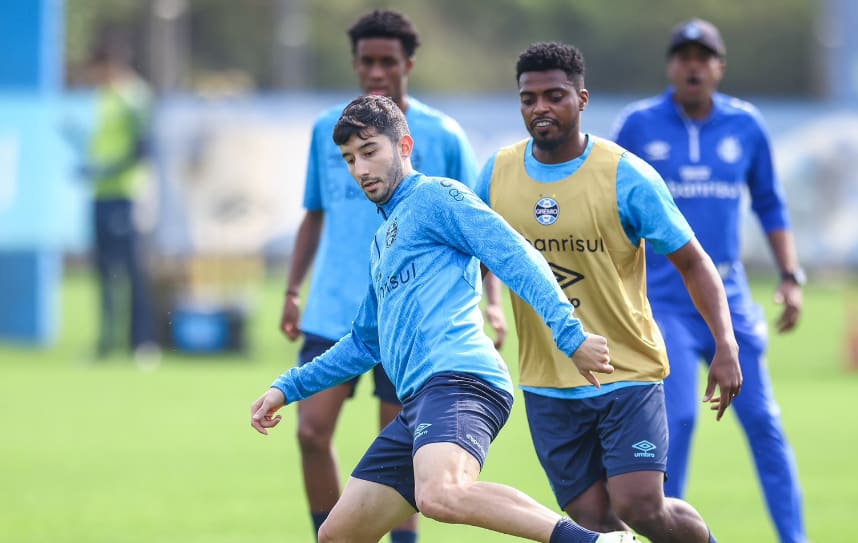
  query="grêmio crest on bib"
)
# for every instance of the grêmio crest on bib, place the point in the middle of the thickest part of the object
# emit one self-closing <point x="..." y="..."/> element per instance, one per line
<point x="546" y="210"/>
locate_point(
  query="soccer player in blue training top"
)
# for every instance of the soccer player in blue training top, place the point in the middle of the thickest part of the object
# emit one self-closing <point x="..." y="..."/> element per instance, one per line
<point x="710" y="148"/>
<point x="338" y="223"/>
<point x="587" y="205"/>
<point x="421" y="319"/>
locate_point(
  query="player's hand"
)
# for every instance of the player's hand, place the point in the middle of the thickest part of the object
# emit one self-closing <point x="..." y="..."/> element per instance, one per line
<point x="726" y="375"/>
<point x="593" y="356"/>
<point x="497" y="320"/>
<point x="262" y="412"/>
<point x="790" y="296"/>
<point x="290" y="317"/>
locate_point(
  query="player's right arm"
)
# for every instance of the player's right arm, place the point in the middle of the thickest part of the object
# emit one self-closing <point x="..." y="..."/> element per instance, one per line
<point x="309" y="232"/>
<point x="347" y="359"/>
<point x="354" y="354"/>
<point x="263" y="412"/>
<point x="306" y="243"/>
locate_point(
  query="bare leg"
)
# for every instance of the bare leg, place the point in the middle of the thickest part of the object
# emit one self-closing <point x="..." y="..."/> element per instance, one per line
<point x="364" y="513"/>
<point x="638" y="498"/>
<point x="388" y="412"/>
<point x="592" y="509"/>
<point x="317" y="418"/>
<point x="447" y="490"/>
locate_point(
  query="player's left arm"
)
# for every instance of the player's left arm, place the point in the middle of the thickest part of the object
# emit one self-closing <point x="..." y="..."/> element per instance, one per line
<point x="464" y="222"/>
<point x="789" y="292"/>
<point x="769" y="204"/>
<point x="648" y="211"/>
<point x="707" y="291"/>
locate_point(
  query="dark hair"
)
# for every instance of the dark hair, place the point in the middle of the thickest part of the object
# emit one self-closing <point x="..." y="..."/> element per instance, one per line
<point x="553" y="55"/>
<point x="385" y="24"/>
<point x="112" y="45"/>
<point x="370" y="115"/>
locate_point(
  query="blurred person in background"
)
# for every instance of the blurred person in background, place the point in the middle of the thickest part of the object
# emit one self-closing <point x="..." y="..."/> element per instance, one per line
<point x="589" y="207"/>
<point x="711" y="148"/>
<point x="338" y="225"/>
<point x="115" y="163"/>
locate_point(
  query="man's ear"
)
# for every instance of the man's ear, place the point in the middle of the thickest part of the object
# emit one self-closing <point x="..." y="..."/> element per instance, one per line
<point x="723" y="64"/>
<point x="583" y="99"/>
<point x="406" y="146"/>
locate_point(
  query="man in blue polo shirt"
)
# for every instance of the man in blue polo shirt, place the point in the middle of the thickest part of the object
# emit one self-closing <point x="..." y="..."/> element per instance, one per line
<point x="711" y="149"/>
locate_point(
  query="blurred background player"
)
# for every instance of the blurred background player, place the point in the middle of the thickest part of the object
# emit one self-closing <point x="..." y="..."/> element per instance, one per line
<point x="115" y="162"/>
<point x="338" y="226"/>
<point x="711" y="148"/>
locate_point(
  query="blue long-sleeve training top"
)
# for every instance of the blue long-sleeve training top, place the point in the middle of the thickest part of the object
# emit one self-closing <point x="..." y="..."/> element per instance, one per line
<point x="339" y="272"/>
<point x="421" y="315"/>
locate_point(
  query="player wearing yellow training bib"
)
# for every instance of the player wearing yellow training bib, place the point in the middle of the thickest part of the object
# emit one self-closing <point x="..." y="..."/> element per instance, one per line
<point x="589" y="207"/>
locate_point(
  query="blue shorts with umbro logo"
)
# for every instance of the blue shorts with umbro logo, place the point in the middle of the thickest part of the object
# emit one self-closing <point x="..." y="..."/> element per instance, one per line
<point x="450" y="408"/>
<point x="582" y="441"/>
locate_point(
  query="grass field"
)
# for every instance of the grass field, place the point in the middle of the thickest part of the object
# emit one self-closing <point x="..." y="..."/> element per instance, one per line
<point x="108" y="452"/>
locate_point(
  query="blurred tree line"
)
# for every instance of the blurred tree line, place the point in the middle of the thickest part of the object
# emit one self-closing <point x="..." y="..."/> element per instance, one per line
<point x="773" y="46"/>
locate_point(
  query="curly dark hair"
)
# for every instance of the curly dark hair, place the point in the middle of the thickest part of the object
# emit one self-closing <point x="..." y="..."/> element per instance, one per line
<point x="366" y="116"/>
<point x="552" y="55"/>
<point x="385" y="24"/>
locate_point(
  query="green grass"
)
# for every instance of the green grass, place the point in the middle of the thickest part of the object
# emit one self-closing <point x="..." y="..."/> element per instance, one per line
<point x="107" y="452"/>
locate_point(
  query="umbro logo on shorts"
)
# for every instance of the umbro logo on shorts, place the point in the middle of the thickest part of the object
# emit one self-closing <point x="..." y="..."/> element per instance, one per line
<point x="422" y="429"/>
<point x="645" y="449"/>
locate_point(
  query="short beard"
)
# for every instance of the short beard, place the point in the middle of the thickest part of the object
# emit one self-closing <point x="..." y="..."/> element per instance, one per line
<point x="547" y="145"/>
<point x="394" y="173"/>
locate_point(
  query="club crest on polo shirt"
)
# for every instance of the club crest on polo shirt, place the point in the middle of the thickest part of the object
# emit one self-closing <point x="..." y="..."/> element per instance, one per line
<point x="657" y="150"/>
<point x="730" y="150"/>
<point x="392" y="231"/>
<point x="546" y="211"/>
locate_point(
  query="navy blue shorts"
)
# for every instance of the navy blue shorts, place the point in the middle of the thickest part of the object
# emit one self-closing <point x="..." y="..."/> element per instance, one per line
<point x="450" y="408"/>
<point x="316" y="345"/>
<point x="580" y="442"/>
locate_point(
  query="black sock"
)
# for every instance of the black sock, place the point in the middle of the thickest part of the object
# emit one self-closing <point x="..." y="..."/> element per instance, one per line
<point x="403" y="536"/>
<point x="566" y="531"/>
